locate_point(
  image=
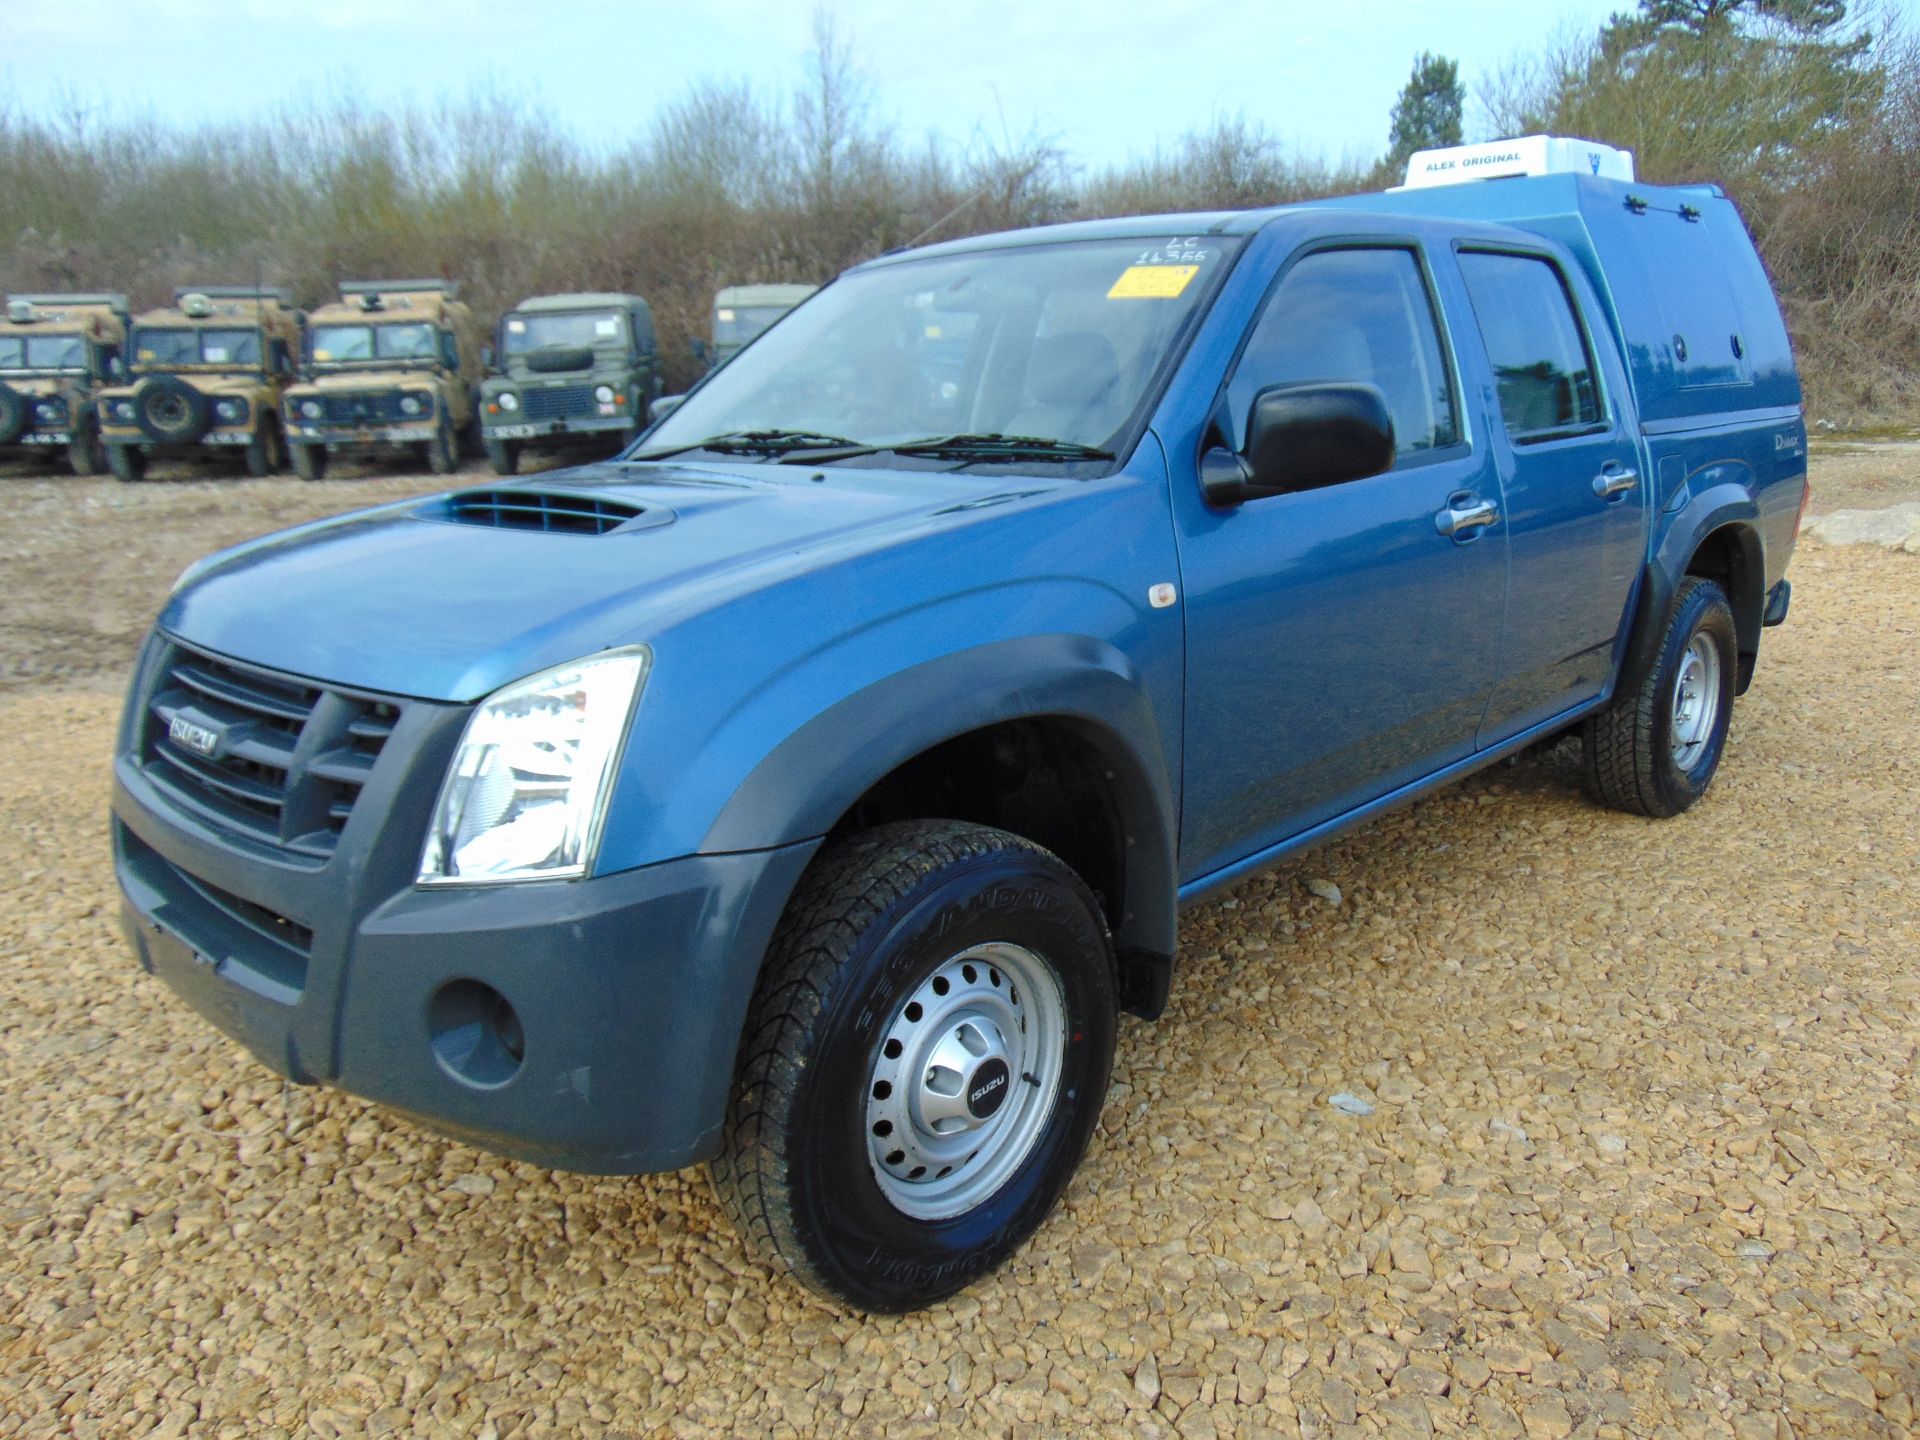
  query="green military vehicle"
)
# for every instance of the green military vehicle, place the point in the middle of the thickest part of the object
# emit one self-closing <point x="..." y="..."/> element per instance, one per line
<point x="208" y="374"/>
<point x="56" y="351"/>
<point x="394" y="364"/>
<point x="741" y="312"/>
<point x="573" y="372"/>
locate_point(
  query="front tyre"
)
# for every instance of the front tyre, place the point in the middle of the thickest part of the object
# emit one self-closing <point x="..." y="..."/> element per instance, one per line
<point x="924" y="1060"/>
<point x="1654" y="751"/>
<point x="85" y="454"/>
<point x="128" y="463"/>
<point x="503" y="455"/>
<point x="309" y="461"/>
<point x="263" y="453"/>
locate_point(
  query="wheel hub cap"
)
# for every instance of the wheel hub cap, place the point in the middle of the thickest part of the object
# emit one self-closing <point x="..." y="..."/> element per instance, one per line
<point x="965" y="1079"/>
<point x="1696" y="702"/>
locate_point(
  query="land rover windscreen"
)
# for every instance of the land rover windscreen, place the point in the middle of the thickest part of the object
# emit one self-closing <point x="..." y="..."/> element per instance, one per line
<point x="524" y="334"/>
<point x="160" y="348"/>
<point x="43" y="354"/>
<point x="410" y="342"/>
<point x="1028" y="353"/>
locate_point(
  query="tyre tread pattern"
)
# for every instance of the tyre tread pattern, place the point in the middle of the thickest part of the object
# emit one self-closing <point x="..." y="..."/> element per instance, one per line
<point x="844" y="892"/>
<point x="1620" y="760"/>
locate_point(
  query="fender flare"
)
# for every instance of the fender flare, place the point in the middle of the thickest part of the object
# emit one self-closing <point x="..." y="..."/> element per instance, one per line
<point x="1726" y="506"/>
<point x="802" y="788"/>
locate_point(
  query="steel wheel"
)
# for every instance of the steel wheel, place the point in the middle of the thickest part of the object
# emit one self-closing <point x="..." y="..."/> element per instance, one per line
<point x="965" y="1080"/>
<point x="1696" y="702"/>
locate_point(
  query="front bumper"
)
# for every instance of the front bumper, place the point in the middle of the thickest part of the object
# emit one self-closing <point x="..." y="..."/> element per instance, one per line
<point x="627" y="992"/>
<point x="212" y="437"/>
<point x="587" y="426"/>
<point x="341" y="437"/>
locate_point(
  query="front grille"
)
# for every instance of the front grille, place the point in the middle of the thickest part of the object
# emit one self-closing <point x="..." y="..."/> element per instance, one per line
<point x="272" y="756"/>
<point x="539" y="510"/>
<point x="557" y="402"/>
<point x="364" y="407"/>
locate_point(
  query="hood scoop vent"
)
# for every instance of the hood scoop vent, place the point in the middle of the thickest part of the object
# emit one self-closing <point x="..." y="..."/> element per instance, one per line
<point x="554" y="512"/>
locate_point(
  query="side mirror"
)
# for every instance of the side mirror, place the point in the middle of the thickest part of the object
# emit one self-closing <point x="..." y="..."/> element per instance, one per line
<point x="1303" y="437"/>
<point x="486" y="356"/>
<point x="663" y="407"/>
<point x="116" y="368"/>
<point x="699" y="349"/>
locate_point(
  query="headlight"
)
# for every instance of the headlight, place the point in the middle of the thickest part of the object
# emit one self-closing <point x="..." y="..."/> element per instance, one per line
<point x="310" y="409"/>
<point x="123" y="410"/>
<point x="230" y="411"/>
<point x="604" y="394"/>
<point x="411" y="405"/>
<point x="50" y="412"/>
<point x="527" y="790"/>
<point x="509" y="400"/>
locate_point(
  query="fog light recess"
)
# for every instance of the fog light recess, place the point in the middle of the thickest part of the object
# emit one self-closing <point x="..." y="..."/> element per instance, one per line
<point x="476" y="1035"/>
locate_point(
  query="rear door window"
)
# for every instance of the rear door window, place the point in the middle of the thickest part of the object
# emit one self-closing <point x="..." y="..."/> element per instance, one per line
<point x="1542" y="363"/>
<point x="1358" y="316"/>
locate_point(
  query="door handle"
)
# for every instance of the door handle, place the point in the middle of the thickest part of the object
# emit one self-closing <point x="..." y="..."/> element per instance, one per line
<point x="1614" y="481"/>
<point x="1463" y="513"/>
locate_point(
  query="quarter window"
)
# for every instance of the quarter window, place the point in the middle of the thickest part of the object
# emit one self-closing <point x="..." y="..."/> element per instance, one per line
<point x="1361" y="315"/>
<point x="1539" y="352"/>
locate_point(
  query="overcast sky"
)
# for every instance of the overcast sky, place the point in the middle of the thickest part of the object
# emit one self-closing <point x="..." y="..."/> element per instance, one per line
<point x="1105" y="79"/>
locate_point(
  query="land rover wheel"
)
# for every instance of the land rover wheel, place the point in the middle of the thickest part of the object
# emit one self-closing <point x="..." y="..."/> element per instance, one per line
<point x="1653" y="751"/>
<point x="504" y="456"/>
<point x="85" y="454"/>
<point x="264" y="451"/>
<point x="309" y="461"/>
<point x="440" y="456"/>
<point x="924" y="1060"/>
<point x="128" y="463"/>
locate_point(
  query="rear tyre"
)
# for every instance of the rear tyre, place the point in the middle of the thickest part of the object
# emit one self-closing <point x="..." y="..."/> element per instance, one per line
<point x="923" y="1062"/>
<point x="1654" y="751"/>
<point x="309" y="461"/>
<point x="504" y="456"/>
<point x="128" y="463"/>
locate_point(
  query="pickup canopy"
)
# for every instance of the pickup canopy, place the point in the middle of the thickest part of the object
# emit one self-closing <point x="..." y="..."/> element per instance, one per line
<point x="1684" y="290"/>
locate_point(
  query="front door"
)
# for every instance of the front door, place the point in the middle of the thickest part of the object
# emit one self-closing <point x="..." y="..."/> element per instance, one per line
<point x="1341" y="642"/>
<point x="1576" y="504"/>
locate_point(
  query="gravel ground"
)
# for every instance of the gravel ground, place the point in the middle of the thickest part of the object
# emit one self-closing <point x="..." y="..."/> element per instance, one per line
<point x="1639" y="1156"/>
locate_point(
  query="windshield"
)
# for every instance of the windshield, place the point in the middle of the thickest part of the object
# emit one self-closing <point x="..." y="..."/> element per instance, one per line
<point x="43" y="352"/>
<point x="344" y="344"/>
<point x="522" y="333"/>
<point x="195" y="347"/>
<point x="737" y="324"/>
<point x="1058" y="341"/>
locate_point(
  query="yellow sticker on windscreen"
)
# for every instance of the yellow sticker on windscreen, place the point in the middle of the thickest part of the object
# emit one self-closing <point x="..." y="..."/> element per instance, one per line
<point x="323" y="354"/>
<point x="1152" y="282"/>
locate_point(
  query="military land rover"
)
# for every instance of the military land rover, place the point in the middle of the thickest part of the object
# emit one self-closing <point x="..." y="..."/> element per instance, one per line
<point x="55" y="354"/>
<point x="395" y="364"/>
<point x="574" y="372"/>
<point x="208" y="373"/>
<point x="741" y="312"/>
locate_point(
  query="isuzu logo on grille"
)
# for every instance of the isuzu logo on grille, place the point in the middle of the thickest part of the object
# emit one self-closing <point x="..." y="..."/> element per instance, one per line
<point x="189" y="736"/>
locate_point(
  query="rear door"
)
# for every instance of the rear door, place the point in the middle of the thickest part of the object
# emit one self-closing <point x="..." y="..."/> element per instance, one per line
<point x="1576" y="504"/>
<point x="1341" y="642"/>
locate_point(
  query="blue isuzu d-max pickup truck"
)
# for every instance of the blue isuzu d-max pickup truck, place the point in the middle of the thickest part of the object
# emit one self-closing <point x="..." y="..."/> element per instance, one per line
<point x="807" y="790"/>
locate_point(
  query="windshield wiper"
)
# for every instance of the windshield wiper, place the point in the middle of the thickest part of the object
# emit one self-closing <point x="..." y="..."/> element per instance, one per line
<point x="970" y="447"/>
<point x="755" y="442"/>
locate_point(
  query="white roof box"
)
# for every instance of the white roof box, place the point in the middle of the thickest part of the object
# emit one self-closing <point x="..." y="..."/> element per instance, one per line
<point x="1528" y="155"/>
